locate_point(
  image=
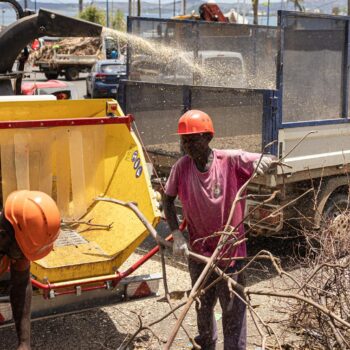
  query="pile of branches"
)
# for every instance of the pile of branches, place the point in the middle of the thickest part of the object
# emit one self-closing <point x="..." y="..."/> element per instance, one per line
<point x="68" y="46"/>
<point x="326" y="280"/>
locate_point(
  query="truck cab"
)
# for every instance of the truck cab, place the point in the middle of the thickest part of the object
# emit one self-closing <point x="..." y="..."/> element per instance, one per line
<point x="222" y="68"/>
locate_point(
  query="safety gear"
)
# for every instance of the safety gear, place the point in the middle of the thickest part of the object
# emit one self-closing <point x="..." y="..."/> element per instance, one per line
<point x="263" y="165"/>
<point x="35" y="219"/>
<point x="195" y="122"/>
<point x="180" y="247"/>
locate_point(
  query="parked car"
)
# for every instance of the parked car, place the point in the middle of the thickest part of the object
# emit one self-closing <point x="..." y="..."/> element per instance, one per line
<point x="103" y="80"/>
<point x="60" y="89"/>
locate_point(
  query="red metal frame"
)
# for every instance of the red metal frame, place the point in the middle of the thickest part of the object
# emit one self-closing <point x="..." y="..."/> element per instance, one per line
<point x="128" y="119"/>
<point x="115" y="279"/>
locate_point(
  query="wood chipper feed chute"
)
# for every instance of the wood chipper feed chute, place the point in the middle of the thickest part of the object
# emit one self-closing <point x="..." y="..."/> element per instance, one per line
<point x="75" y="160"/>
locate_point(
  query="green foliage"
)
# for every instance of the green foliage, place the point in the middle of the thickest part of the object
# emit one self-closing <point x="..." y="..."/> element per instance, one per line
<point x="92" y="14"/>
<point x="118" y="21"/>
<point x="335" y="10"/>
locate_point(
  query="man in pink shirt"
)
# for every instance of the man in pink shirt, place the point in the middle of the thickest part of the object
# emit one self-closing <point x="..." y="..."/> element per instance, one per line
<point x="207" y="181"/>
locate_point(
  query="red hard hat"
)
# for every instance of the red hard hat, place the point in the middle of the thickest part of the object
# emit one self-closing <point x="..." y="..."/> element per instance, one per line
<point x="195" y="122"/>
<point x="35" y="219"/>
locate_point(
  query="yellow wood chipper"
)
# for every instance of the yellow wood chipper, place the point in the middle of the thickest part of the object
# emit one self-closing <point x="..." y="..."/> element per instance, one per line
<point x="85" y="155"/>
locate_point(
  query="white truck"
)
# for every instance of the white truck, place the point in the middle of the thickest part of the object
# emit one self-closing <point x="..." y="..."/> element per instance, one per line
<point x="71" y="64"/>
<point x="298" y="80"/>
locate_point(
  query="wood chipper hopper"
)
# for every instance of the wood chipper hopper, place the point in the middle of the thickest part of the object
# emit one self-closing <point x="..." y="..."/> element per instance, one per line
<point x="76" y="151"/>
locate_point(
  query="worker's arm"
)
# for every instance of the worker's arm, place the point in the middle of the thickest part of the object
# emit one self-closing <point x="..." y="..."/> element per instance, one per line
<point x="21" y="298"/>
<point x="180" y="244"/>
<point x="170" y="212"/>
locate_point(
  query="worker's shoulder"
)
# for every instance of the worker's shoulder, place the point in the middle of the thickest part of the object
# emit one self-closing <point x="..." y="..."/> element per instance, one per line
<point x="228" y="153"/>
<point x="184" y="161"/>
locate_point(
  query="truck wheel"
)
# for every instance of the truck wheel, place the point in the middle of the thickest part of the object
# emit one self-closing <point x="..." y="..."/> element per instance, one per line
<point x="337" y="204"/>
<point x="50" y="76"/>
<point x="336" y="224"/>
<point x="72" y="73"/>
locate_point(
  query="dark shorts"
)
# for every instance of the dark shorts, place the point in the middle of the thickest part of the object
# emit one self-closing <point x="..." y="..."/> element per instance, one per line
<point x="233" y="311"/>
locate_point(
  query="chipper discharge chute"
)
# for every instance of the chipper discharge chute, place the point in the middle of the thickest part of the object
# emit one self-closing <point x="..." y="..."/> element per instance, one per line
<point x="76" y="151"/>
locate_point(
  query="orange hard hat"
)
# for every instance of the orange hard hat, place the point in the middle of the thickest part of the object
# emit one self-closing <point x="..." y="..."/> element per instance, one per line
<point x="195" y="122"/>
<point x="35" y="219"/>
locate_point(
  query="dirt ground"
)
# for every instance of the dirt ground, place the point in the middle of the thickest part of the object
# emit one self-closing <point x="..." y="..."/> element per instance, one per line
<point x="107" y="327"/>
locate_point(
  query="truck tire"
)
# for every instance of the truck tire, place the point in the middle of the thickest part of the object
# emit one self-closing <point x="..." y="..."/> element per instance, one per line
<point x="72" y="73"/>
<point x="335" y="206"/>
<point x="336" y="225"/>
<point x="50" y="76"/>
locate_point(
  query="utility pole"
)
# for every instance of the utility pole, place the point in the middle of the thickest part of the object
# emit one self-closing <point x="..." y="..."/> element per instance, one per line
<point x="25" y="4"/>
<point x="183" y="3"/>
<point x="160" y="8"/>
<point x="80" y="6"/>
<point x="348" y="7"/>
<point x="107" y="13"/>
<point x="130" y="8"/>
<point x="138" y="8"/>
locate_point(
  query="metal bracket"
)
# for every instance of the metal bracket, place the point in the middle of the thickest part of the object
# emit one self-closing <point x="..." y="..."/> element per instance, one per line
<point x="109" y="285"/>
<point x="52" y="294"/>
<point x="274" y="103"/>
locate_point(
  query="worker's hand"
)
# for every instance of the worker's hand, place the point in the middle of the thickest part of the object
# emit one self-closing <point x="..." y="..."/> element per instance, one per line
<point x="180" y="247"/>
<point x="262" y="166"/>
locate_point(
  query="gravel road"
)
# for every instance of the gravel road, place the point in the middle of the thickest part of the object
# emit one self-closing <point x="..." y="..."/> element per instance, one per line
<point x="108" y="327"/>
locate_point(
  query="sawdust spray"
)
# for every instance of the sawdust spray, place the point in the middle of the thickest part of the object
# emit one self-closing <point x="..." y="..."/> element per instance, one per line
<point x="177" y="63"/>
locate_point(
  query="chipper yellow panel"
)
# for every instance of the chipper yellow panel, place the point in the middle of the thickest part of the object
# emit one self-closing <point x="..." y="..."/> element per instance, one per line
<point x="75" y="162"/>
<point x="36" y="110"/>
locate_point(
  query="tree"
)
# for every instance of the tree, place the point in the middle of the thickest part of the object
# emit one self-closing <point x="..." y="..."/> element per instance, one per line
<point x="298" y="5"/>
<point x="336" y="11"/>
<point x="118" y="21"/>
<point x="92" y="14"/>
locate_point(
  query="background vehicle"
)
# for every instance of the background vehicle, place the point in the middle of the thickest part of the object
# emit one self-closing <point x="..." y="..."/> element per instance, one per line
<point x="103" y="80"/>
<point x="69" y="57"/>
<point x="211" y="68"/>
<point x="60" y="89"/>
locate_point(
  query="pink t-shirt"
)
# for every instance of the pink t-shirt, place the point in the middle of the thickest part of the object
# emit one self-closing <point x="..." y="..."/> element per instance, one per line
<point x="207" y="197"/>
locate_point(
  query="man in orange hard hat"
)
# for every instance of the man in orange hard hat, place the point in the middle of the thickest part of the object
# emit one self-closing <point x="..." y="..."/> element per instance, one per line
<point x="206" y="181"/>
<point x="29" y="226"/>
